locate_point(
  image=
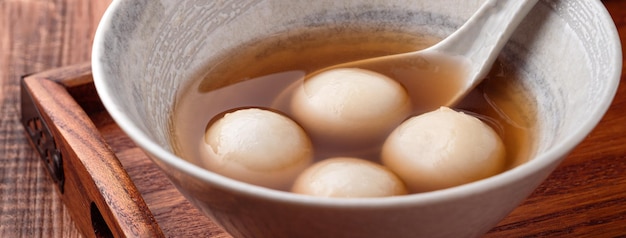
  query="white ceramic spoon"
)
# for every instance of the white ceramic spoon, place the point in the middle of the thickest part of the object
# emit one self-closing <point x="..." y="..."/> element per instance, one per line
<point x="444" y="73"/>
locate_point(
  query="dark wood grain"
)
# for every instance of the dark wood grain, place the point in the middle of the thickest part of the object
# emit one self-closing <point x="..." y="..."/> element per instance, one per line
<point x="103" y="171"/>
<point x="584" y="197"/>
<point x="36" y="35"/>
<point x="98" y="192"/>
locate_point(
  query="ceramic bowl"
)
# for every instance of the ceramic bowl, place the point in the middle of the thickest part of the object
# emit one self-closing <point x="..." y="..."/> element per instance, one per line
<point x="567" y="53"/>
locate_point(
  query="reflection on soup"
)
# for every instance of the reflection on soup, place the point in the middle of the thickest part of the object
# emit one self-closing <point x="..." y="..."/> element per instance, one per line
<point x="267" y="74"/>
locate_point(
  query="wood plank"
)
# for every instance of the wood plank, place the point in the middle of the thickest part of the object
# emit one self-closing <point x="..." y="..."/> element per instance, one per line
<point x="36" y="35"/>
<point x="98" y="192"/>
<point x="102" y="170"/>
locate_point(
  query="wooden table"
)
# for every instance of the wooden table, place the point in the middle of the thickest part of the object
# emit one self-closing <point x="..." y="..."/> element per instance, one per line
<point x="585" y="196"/>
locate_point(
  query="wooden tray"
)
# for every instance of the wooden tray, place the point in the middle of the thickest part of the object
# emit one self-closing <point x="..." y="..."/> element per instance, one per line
<point x="111" y="188"/>
<point x="109" y="185"/>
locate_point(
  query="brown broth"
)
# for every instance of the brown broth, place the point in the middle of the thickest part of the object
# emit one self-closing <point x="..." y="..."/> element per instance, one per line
<point x="261" y="74"/>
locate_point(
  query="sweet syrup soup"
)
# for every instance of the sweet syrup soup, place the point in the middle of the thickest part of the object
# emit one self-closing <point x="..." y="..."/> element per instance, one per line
<point x="264" y="73"/>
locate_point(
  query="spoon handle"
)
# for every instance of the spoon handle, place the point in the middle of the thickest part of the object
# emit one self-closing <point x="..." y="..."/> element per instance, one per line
<point x="482" y="37"/>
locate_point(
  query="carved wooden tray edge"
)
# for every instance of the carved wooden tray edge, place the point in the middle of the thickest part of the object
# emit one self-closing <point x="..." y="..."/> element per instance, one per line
<point x="110" y="187"/>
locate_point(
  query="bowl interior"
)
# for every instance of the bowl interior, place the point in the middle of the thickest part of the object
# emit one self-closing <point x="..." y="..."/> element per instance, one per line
<point x="566" y="52"/>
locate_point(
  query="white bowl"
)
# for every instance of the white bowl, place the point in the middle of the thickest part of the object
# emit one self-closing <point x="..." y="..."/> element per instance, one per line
<point x="145" y="51"/>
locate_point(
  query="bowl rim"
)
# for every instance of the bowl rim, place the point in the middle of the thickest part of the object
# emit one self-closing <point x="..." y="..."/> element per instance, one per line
<point x="552" y="156"/>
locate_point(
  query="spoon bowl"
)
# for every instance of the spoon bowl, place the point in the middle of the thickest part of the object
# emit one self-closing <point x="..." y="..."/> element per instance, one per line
<point x="454" y="66"/>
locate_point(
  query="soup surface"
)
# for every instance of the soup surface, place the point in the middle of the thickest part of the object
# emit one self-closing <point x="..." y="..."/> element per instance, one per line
<point x="263" y="74"/>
